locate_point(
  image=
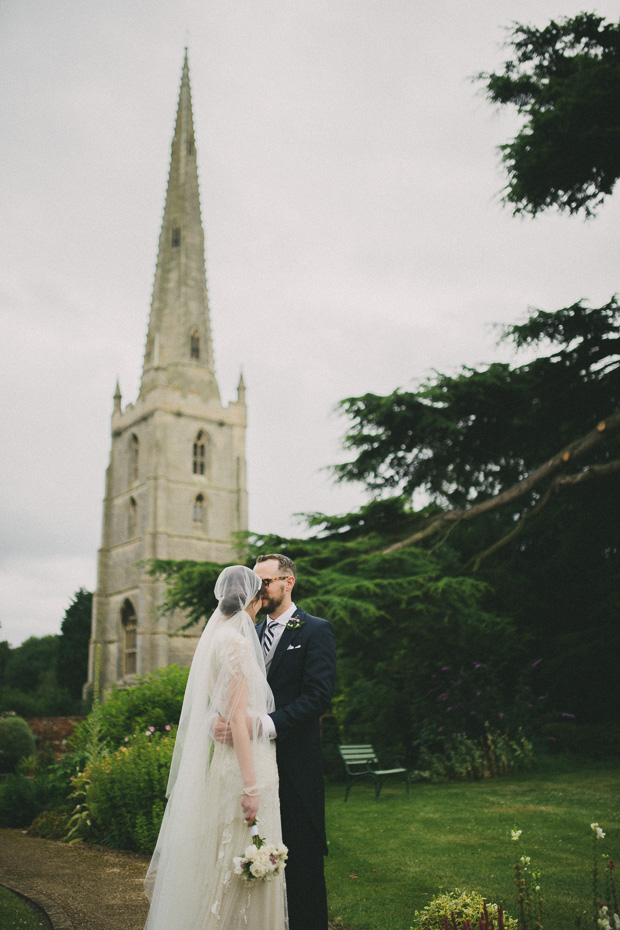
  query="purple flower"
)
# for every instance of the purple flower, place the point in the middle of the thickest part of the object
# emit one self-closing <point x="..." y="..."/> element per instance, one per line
<point x="478" y="693"/>
<point x="570" y="716"/>
<point x="448" y="708"/>
<point x="501" y="716"/>
<point x="445" y="668"/>
<point x="553" y="739"/>
<point x="440" y="729"/>
<point x="537" y="662"/>
<point x="542" y="697"/>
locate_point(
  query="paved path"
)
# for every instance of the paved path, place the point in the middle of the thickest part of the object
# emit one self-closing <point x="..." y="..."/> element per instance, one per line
<point x="79" y="887"/>
<point x="92" y="888"/>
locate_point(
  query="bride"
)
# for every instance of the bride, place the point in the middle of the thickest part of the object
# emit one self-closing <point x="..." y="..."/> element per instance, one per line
<point x="216" y="790"/>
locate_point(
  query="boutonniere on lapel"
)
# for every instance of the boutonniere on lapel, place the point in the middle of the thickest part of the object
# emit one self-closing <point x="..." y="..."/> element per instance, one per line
<point x="294" y="623"/>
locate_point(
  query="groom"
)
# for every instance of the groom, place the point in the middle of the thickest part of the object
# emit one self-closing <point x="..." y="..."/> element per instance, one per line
<point x="300" y="657"/>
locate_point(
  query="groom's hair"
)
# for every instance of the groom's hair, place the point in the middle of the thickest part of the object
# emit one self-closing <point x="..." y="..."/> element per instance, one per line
<point x="286" y="565"/>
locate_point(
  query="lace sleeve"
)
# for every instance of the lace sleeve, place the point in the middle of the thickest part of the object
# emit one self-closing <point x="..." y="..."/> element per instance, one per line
<point x="234" y="660"/>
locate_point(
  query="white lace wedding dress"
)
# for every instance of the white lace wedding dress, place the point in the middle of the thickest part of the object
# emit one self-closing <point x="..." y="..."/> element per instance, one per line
<point x="191" y="880"/>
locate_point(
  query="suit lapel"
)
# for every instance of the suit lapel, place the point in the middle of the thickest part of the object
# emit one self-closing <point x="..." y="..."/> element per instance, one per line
<point x="285" y="641"/>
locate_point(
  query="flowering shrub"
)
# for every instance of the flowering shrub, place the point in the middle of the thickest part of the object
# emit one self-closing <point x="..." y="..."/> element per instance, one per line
<point x="464" y="905"/>
<point x="605" y="905"/>
<point x="155" y="700"/>
<point x="529" y="894"/>
<point x="605" y="911"/>
<point x="51" y="825"/>
<point x="125" y="791"/>
<point x="464" y="699"/>
<point x="460" y="756"/>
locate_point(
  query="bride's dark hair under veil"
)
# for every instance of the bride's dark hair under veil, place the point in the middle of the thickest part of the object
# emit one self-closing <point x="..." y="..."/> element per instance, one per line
<point x="228" y="662"/>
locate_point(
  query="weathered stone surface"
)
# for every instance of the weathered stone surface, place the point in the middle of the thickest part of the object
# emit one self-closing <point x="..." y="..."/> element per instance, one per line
<point x="176" y="483"/>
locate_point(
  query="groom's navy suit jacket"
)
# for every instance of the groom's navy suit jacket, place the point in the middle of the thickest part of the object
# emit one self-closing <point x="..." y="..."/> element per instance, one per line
<point x="302" y="675"/>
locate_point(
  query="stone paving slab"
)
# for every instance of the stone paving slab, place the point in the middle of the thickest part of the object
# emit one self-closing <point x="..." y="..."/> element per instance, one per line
<point x="89" y="887"/>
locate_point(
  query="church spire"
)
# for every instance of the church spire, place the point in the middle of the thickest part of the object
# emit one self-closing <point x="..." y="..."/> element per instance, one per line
<point x="118" y="397"/>
<point x="179" y="352"/>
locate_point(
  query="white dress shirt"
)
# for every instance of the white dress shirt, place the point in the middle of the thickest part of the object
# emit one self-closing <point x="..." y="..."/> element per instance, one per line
<point x="281" y="621"/>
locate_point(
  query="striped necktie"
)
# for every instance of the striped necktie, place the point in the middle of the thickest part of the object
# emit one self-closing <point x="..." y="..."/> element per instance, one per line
<point x="268" y="635"/>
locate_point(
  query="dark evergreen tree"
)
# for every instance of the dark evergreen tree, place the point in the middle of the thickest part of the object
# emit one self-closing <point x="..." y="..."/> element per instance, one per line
<point x="523" y="464"/>
<point x="30" y="662"/>
<point x="564" y="79"/>
<point x="398" y="618"/>
<point x="72" y="656"/>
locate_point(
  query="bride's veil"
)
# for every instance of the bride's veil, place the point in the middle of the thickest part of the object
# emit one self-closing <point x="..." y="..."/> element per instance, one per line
<point x="227" y="651"/>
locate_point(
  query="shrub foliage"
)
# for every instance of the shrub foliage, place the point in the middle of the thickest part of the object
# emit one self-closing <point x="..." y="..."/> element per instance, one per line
<point x="16" y="742"/>
<point x="126" y="791"/>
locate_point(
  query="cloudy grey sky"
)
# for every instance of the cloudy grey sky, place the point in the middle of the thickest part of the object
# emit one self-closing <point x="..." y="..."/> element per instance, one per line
<point x="355" y="238"/>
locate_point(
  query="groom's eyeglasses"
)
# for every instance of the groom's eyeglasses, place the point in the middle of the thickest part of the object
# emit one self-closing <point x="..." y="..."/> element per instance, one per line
<point x="267" y="581"/>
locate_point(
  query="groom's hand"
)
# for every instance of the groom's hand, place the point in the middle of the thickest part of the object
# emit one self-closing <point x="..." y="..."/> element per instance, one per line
<point x="223" y="732"/>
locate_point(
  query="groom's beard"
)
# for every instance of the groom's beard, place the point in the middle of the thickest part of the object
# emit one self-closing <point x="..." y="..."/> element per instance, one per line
<point x="270" y="604"/>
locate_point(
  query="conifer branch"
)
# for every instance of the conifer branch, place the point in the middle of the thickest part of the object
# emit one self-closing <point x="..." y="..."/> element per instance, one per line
<point x="569" y="454"/>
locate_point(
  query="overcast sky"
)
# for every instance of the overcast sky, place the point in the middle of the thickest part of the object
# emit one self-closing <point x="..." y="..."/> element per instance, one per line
<point x="355" y="238"/>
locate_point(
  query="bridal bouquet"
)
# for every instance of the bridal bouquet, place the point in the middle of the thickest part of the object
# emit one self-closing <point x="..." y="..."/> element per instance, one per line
<point x="262" y="861"/>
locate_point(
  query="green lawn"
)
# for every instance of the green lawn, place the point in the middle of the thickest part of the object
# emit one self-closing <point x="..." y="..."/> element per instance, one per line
<point x="388" y="859"/>
<point x="15" y="913"/>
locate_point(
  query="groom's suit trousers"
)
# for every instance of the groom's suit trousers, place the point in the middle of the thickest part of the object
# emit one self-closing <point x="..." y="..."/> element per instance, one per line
<point x="302" y="675"/>
<point x="305" y="880"/>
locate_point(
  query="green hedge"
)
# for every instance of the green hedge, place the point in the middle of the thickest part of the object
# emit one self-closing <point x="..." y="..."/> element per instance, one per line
<point x="16" y="742"/>
<point x="125" y="791"/>
<point x="154" y="701"/>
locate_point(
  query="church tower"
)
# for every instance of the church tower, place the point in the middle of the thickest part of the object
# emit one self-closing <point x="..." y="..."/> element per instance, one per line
<point x="176" y="483"/>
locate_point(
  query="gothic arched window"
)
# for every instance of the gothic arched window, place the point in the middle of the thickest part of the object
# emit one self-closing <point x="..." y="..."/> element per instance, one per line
<point x="194" y="344"/>
<point x="134" y="457"/>
<point x="199" y="509"/>
<point x="199" y="453"/>
<point x="129" y="623"/>
<point x="133" y="516"/>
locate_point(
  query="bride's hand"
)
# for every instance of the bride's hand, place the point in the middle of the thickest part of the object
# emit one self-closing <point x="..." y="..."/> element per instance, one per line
<point x="249" y="805"/>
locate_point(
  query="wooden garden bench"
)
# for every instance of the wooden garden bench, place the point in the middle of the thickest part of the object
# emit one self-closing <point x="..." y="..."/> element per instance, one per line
<point x="360" y="761"/>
